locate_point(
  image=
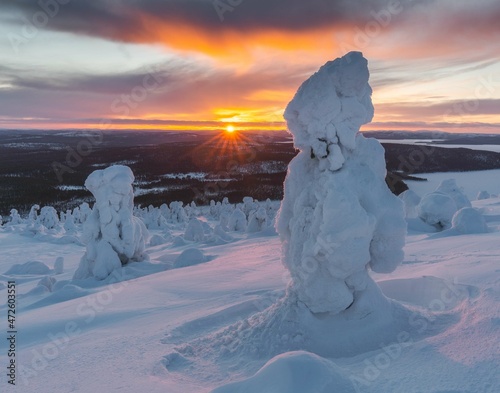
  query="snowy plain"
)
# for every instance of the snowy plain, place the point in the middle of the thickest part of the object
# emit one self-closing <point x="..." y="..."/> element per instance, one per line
<point x="122" y="334"/>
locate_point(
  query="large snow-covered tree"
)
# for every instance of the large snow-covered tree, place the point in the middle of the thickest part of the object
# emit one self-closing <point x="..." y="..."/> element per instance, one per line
<point x="338" y="218"/>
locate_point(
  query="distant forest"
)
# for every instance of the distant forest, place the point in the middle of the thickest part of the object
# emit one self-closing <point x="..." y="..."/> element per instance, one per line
<point x="50" y="168"/>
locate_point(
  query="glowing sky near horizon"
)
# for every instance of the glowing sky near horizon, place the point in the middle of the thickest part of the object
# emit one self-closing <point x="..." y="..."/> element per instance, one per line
<point x="174" y="64"/>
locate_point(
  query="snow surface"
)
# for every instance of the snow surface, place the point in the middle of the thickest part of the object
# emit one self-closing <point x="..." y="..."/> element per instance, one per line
<point x="124" y="334"/>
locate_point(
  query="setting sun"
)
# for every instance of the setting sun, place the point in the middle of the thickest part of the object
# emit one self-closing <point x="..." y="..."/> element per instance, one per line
<point x="230" y="129"/>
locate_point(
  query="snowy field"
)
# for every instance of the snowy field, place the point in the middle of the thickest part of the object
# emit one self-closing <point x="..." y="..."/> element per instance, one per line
<point x="471" y="182"/>
<point x="123" y="334"/>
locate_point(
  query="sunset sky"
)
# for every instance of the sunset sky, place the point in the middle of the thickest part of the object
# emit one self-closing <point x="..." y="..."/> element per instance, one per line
<point x="192" y="64"/>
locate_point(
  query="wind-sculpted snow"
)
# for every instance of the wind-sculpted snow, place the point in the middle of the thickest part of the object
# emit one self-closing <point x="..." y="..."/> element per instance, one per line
<point x="337" y="217"/>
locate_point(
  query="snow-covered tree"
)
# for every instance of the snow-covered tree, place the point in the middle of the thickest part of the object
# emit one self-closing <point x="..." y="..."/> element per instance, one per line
<point x="69" y="222"/>
<point x="194" y="231"/>
<point x="437" y="209"/>
<point x="177" y="213"/>
<point x="257" y="221"/>
<point x="411" y="201"/>
<point x="237" y="221"/>
<point x="15" y="218"/>
<point x="113" y="236"/>
<point x="32" y="216"/>
<point x="85" y="212"/>
<point x="450" y="187"/>
<point x="338" y="218"/>
<point x="48" y="217"/>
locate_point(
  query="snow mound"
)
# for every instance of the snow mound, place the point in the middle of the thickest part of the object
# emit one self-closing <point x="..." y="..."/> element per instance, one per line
<point x="29" y="268"/>
<point x="190" y="257"/>
<point x="468" y="221"/>
<point x="294" y="372"/>
<point x="178" y="241"/>
<point x="156" y="240"/>
<point x="437" y="209"/>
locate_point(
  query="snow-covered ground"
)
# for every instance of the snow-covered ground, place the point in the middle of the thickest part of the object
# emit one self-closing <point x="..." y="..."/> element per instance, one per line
<point x="123" y="334"/>
<point x="470" y="182"/>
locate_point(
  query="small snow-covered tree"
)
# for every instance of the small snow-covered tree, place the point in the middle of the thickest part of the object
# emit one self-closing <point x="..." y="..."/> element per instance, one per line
<point x="15" y="218"/>
<point x="237" y="221"/>
<point x="85" y="212"/>
<point x="113" y="236"/>
<point x="194" y="231"/>
<point x="69" y="222"/>
<point x="48" y="217"/>
<point x="257" y="221"/>
<point x="177" y="213"/>
<point x="33" y="213"/>
<point x="338" y="218"/>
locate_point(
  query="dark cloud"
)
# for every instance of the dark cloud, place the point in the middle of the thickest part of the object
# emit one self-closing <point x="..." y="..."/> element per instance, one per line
<point x="130" y="20"/>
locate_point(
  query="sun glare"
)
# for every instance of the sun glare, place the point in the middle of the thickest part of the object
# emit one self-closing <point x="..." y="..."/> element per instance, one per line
<point x="230" y="129"/>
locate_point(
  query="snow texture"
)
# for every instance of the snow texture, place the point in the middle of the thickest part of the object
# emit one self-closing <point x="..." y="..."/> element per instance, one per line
<point x="112" y="234"/>
<point x="337" y="217"/>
